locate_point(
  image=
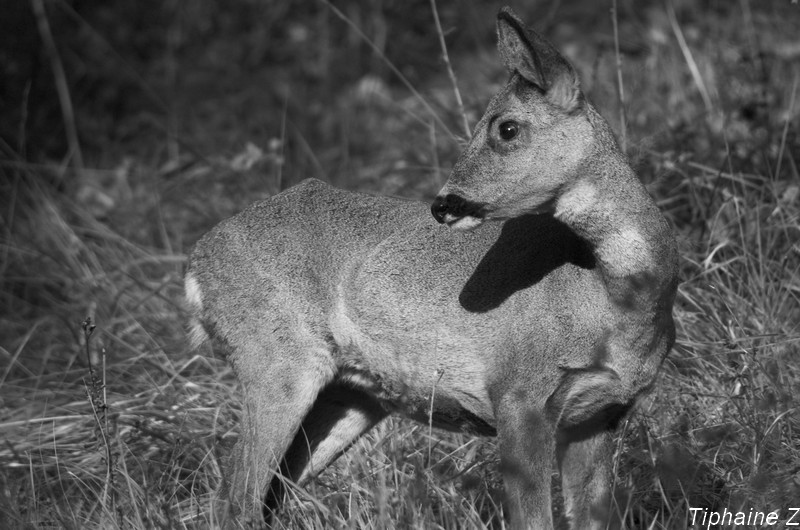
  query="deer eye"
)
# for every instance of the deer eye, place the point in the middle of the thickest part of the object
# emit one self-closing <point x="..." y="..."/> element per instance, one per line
<point x="508" y="130"/>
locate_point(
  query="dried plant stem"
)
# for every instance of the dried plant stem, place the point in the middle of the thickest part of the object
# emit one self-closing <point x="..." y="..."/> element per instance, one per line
<point x="787" y="121"/>
<point x="453" y="81"/>
<point x="98" y="400"/>
<point x="88" y="328"/>
<point x="437" y="174"/>
<point x="440" y="373"/>
<point x="688" y="57"/>
<point x="108" y="487"/>
<point x="62" y="88"/>
<point x="623" y="119"/>
<point x="284" y="112"/>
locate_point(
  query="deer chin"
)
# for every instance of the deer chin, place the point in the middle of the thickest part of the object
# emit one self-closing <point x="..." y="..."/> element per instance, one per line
<point x="532" y="206"/>
<point x="467" y="223"/>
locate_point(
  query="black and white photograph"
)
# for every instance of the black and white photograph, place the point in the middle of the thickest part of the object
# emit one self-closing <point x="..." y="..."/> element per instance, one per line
<point x="400" y="264"/>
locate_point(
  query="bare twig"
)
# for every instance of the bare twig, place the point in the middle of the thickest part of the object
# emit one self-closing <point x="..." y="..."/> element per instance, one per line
<point x="62" y="88"/>
<point x="88" y="328"/>
<point x="440" y="373"/>
<point x="786" y="122"/>
<point x="23" y="122"/>
<point x="623" y="119"/>
<point x="172" y="73"/>
<point x="284" y="112"/>
<point x="108" y="486"/>
<point x="435" y="156"/>
<point x="688" y="57"/>
<point x="98" y="400"/>
<point x="446" y="57"/>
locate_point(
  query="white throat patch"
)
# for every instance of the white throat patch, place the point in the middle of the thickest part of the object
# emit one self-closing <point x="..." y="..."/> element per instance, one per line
<point x="463" y="224"/>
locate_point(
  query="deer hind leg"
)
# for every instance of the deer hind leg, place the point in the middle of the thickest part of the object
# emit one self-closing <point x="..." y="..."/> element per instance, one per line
<point x="527" y="445"/>
<point x="339" y="417"/>
<point x="281" y="375"/>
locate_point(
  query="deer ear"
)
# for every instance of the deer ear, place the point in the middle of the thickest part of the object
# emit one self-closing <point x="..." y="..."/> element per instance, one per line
<point x="532" y="56"/>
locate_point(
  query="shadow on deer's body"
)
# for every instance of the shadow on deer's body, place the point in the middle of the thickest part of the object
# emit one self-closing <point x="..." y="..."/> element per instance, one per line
<point x="336" y="309"/>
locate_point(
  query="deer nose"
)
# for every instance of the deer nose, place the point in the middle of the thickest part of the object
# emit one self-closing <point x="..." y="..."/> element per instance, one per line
<point x="456" y="206"/>
<point x="439" y="208"/>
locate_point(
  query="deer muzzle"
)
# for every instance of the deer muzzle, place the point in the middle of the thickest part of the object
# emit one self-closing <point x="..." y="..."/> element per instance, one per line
<point x="457" y="212"/>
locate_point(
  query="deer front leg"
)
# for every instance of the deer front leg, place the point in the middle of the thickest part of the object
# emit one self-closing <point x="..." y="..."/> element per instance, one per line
<point x="527" y="445"/>
<point x="586" y="477"/>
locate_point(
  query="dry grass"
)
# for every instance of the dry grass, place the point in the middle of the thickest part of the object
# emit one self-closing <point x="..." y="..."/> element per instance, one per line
<point x="710" y="101"/>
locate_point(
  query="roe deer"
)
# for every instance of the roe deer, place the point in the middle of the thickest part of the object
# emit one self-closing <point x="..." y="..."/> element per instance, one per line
<point x="336" y="309"/>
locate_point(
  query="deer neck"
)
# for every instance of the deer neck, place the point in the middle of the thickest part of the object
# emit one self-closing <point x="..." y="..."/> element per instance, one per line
<point x="633" y="246"/>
